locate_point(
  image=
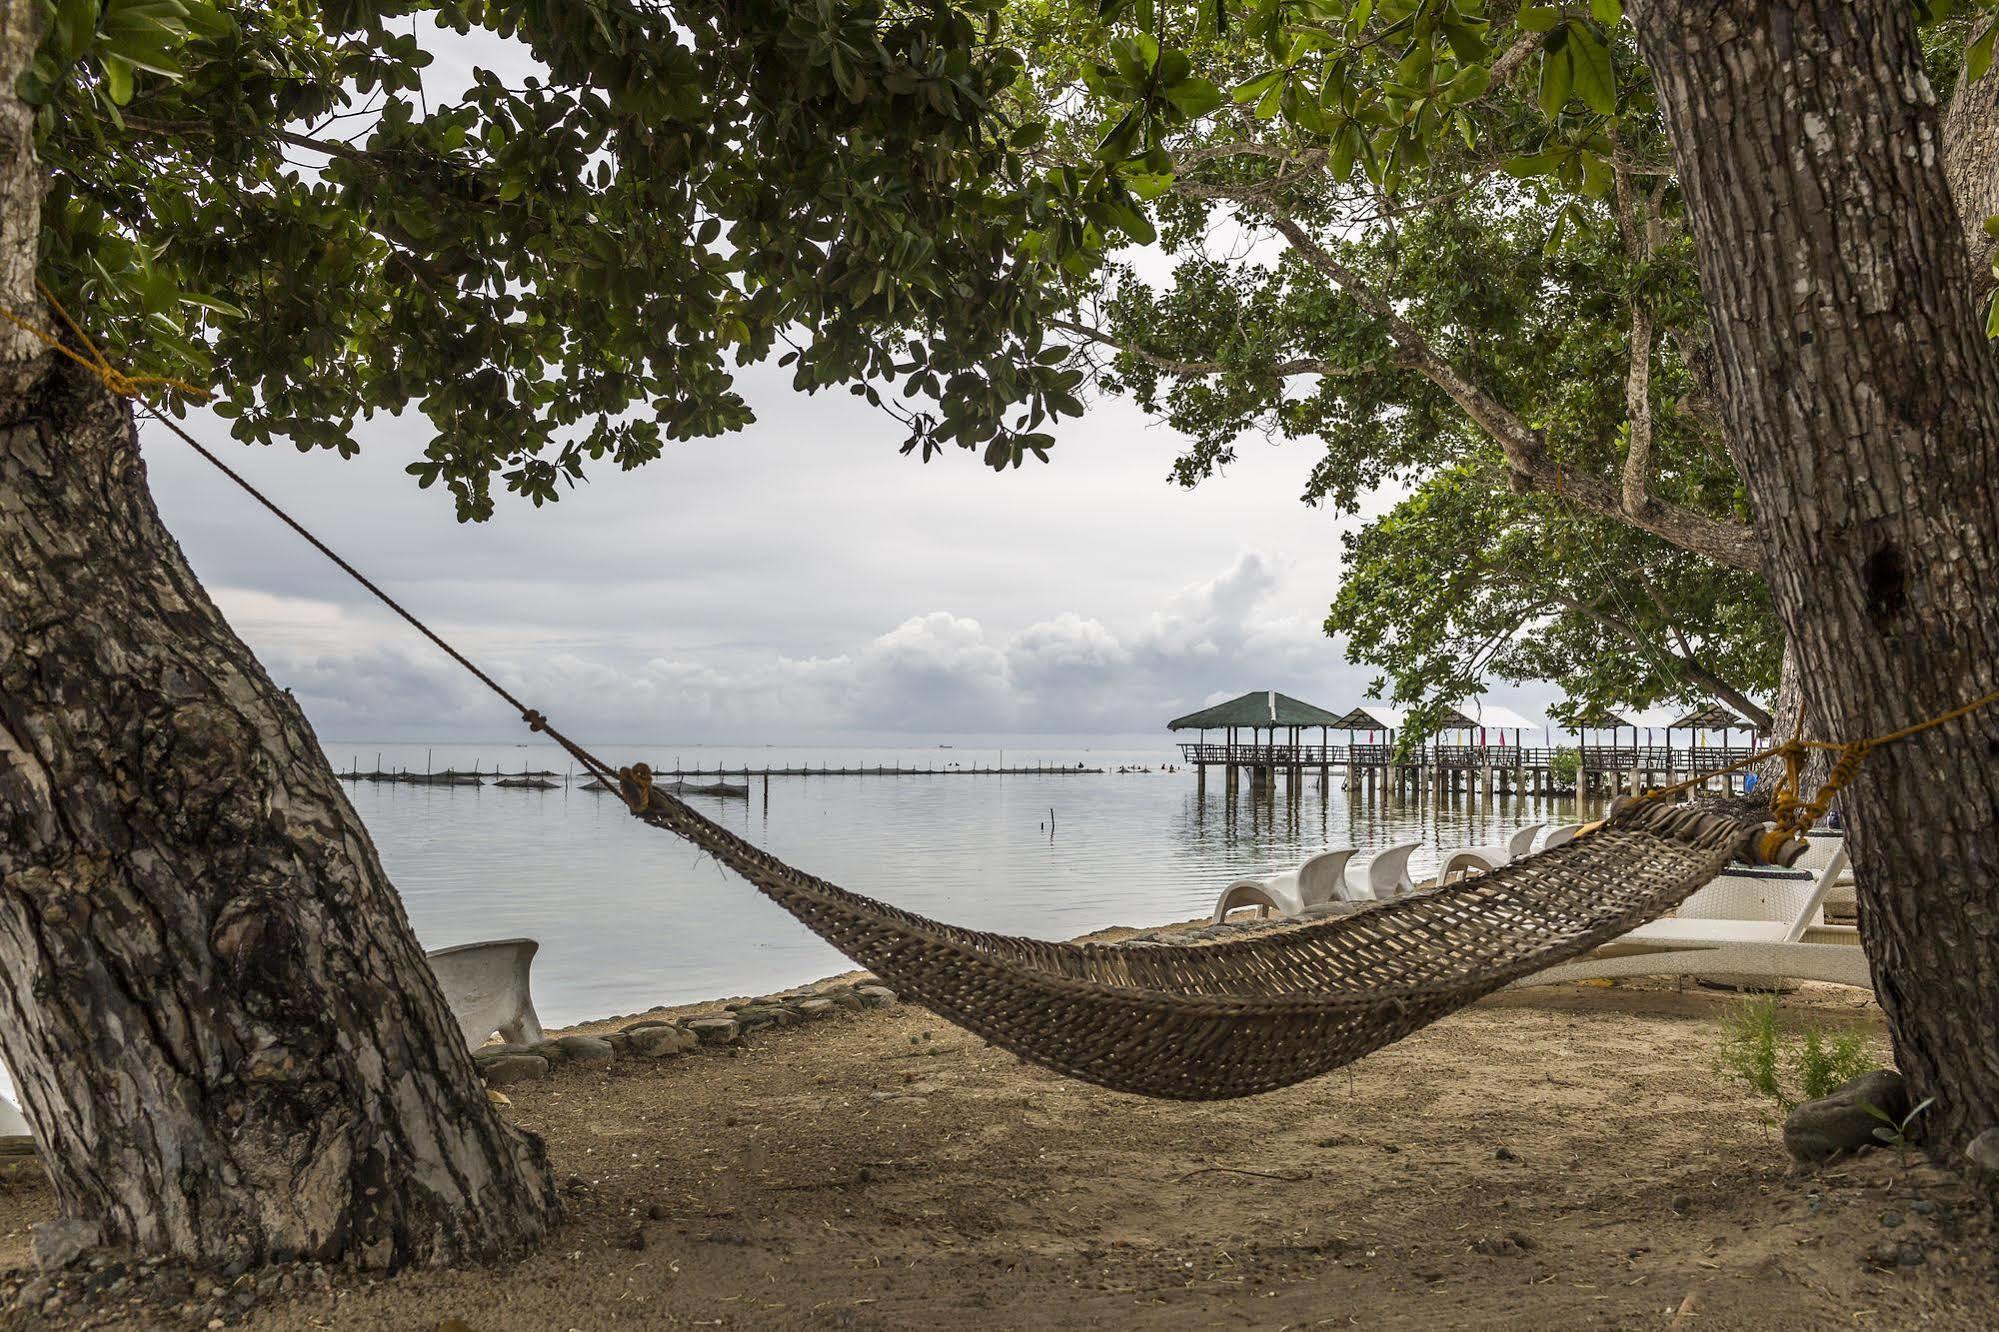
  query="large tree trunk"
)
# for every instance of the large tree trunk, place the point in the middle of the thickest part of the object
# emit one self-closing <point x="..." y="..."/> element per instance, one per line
<point x="1858" y="383"/>
<point x="224" y="1034"/>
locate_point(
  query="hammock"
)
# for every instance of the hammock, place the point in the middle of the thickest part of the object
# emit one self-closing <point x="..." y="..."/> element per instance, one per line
<point x="1213" y="1020"/>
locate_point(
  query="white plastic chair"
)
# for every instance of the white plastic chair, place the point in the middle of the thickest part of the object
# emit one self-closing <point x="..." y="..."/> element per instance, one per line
<point x="1388" y="873"/>
<point x="1321" y="879"/>
<point x="1485" y="859"/>
<point x="486" y="985"/>
<point x="1560" y="833"/>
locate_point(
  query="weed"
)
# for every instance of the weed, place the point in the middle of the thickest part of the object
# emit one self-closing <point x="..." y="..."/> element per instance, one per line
<point x="1788" y="1067"/>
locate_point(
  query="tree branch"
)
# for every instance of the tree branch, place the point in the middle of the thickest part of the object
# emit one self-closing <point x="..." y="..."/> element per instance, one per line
<point x="1720" y="689"/>
<point x="1301" y="365"/>
<point x="1732" y="544"/>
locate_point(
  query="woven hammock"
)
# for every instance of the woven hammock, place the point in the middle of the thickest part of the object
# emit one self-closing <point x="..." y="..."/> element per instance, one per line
<point x="1213" y="1020"/>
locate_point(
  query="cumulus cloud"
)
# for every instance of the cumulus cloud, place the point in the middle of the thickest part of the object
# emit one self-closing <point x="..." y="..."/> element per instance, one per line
<point x="933" y="673"/>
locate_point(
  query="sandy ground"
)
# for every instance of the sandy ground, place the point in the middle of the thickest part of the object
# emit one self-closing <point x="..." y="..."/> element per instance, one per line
<point x="883" y="1169"/>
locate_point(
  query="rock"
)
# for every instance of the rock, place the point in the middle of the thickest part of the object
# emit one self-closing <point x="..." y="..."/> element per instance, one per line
<point x="506" y="1071"/>
<point x="715" y="1030"/>
<point x="1504" y="1154"/>
<point x="485" y="1052"/>
<point x="60" y="1243"/>
<point x="1841" y="1122"/>
<point x="817" y="1007"/>
<point x="750" y="1019"/>
<point x="874" y="996"/>
<point x="660" y="1042"/>
<point x="587" y="1051"/>
<point x="551" y="1050"/>
<point x="844" y="998"/>
<point x="648" y="1025"/>
<point x="1984" y="1150"/>
<point x="1891" y="1219"/>
<point x="620" y="1043"/>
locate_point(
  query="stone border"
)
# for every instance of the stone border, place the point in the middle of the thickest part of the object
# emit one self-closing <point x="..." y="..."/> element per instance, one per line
<point x="665" y="1038"/>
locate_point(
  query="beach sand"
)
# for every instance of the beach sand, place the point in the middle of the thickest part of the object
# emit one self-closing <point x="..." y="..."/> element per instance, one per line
<point x="1561" y="1157"/>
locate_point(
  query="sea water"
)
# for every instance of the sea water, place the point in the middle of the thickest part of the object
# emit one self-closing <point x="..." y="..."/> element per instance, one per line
<point x="629" y="916"/>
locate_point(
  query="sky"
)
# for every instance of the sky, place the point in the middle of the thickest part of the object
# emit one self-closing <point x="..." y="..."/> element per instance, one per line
<point x="798" y="581"/>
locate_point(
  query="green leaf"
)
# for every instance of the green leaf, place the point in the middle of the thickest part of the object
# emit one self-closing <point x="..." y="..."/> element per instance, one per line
<point x="1250" y="90"/>
<point x="117" y="80"/>
<point x="1195" y="97"/>
<point x="1558" y="73"/>
<point x="1595" y="78"/>
<point x="1538" y="18"/>
<point x="1978" y="55"/>
<point x="1607" y="12"/>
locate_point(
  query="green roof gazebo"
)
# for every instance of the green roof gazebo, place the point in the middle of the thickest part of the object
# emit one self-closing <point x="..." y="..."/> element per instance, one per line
<point x="1260" y="711"/>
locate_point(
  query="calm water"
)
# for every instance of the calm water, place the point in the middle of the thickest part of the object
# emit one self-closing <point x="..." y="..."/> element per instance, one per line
<point x="629" y="917"/>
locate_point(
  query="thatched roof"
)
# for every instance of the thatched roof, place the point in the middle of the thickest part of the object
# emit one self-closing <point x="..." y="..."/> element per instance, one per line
<point x="1265" y="707"/>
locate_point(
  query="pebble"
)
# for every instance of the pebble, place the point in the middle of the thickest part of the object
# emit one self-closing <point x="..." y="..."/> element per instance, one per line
<point x="1504" y="1154"/>
<point x="1891" y="1219"/>
<point x="1984" y="1150"/>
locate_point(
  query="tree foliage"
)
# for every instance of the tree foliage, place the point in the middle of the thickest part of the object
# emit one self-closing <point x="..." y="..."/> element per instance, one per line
<point x="1481" y="295"/>
<point x="572" y="267"/>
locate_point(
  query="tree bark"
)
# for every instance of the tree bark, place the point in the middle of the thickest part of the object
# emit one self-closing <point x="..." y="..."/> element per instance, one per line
<point x="226" y="1037"/>
<point x="1858" y="384"/>
<point x="224" y="1034"/>
<point x="1971" y="162"/>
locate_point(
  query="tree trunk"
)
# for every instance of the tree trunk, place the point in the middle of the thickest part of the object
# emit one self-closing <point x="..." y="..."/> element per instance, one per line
<point x="1859" y="386"/>
<point x="1971" y="163"/>
<point x="224" y="1034"/>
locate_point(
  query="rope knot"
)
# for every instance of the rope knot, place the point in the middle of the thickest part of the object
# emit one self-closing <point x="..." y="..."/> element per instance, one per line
<point x="535" y="721"/>
<point x="638" y="778"/>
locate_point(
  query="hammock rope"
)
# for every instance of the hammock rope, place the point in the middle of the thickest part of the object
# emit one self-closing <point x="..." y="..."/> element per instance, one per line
<point x="1213" y="1019"/>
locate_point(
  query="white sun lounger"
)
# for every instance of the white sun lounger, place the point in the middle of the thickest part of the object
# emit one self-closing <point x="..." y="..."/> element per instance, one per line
<point x="486" y="985"/>
<point x="1485" y="859"/>
<point x="1761" y="923"/>
<point x="1321" y="879"/>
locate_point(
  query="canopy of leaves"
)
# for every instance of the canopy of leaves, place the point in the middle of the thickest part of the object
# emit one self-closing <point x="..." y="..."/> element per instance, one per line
<point x="1492" y="177"/>
<point x="1458" y="584"/>
<point x="570" y="267"/>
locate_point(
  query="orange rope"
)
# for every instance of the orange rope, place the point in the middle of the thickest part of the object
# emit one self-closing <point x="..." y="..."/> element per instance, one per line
<point x="117" y="381"/>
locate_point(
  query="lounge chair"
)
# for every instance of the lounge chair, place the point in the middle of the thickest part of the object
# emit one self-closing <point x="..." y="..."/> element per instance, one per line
<point x="1321" y="879"/>
<point x="486" y="985"/>
<point x="1388" y="873"/>
<point x="1485" y="859"/>
<point x="1760" y="923"/>
<point x="1560" y="833"/>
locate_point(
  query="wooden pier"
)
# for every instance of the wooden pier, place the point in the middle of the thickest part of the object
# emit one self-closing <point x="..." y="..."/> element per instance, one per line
<point x="1463" y="761"/>
<point x="546" y="780"/>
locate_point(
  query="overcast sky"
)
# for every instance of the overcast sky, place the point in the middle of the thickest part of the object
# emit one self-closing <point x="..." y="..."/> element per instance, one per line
<point x="800" y="580"/>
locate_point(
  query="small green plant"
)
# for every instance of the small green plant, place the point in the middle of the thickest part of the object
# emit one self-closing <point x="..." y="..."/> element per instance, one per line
<point x="1788" y="1067"/>
<point x="1893" y="1132"/>
<point x="1564" y="764"/>
<point x="1826" y="1059"/>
